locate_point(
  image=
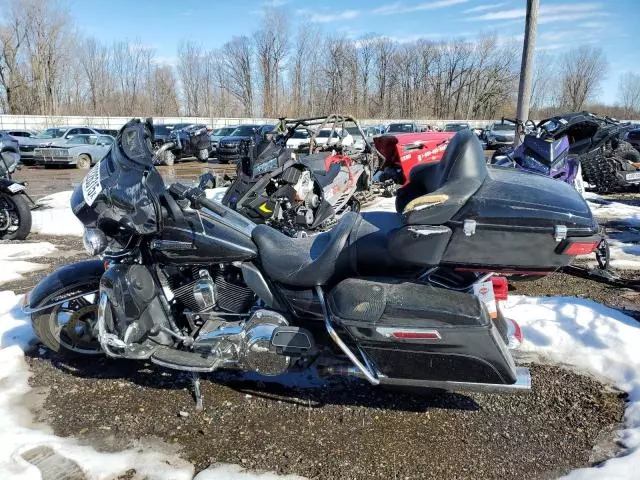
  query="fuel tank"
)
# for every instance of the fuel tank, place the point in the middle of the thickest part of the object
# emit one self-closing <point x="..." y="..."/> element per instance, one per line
<point x="205" y="238"/>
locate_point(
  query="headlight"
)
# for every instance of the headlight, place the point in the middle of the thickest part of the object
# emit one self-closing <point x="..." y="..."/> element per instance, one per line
<point x="94" y="241"/>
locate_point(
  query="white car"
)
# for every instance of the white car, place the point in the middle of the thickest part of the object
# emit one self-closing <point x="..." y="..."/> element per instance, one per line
<point x="327" y="136"/>
<point x="299" y="137"/>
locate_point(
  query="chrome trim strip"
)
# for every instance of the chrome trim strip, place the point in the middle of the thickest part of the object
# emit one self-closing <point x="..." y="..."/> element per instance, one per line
<point x="522" y="383"/>
<point x="368" y="374"/>
<point x="29" y="310"/>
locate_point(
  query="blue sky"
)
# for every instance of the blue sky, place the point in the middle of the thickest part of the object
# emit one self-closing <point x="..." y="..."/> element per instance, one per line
<point x="610" y="24"/>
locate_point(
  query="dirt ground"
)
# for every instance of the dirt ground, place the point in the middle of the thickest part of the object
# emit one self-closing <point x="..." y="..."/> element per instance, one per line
<point x="339" y="429"/>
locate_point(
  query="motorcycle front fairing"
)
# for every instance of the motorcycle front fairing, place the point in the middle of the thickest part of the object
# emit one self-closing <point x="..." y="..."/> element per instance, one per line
<point x="121" y="194"/>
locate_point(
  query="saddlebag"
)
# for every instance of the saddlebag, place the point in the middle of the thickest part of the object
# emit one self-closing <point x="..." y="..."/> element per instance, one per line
<point x="414" y="331"/>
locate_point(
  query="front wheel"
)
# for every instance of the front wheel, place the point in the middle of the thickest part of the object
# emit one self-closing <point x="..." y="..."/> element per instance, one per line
<point x="15" y="217"/>
<point x="203" y="155"/>
<point x="69" y="328"/>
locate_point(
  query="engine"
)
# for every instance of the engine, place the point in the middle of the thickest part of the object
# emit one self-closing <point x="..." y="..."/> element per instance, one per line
<point x="200" y="290"/>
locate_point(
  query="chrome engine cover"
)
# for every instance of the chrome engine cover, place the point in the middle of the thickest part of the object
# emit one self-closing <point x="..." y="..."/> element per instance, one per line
<point x="256" y="350"/>
<point x="247" y="344"/>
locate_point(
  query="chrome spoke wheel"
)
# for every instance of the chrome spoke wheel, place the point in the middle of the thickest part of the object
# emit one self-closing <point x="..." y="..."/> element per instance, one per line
<point x="74" y="324"/>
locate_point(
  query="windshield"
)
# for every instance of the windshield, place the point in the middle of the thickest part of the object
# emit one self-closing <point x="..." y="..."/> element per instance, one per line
<point x="243" y="131"/>
<point x="504" y="126"/>
<point x="400" y="127"/>
<point x="355" y="131"/>
<point x="325" y="133"/>
<point x="455" y="127"/>
<point x="222" y="132"/>
<point x="51" y="133"/>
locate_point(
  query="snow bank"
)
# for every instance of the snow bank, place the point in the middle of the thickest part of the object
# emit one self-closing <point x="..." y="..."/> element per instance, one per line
<point x="18" y="434"/>
<point x="13" y="259"/>
<point x="54" y="217"/>
<point x="592" y="339"/>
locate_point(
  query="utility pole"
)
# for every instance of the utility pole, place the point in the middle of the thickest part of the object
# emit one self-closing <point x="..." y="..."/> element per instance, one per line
<point x="526" y="68"/>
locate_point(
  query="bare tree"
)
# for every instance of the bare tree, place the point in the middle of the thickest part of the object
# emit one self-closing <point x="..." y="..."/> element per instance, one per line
<point x="629" y="92"/>
<point x="271" y="48"/>
<point x="582" y="71"/>
<point x="190" y="69"/>
<point x="238" y="56"/>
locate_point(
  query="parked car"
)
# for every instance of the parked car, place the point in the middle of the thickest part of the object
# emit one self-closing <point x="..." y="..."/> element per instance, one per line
<point x="229" y="147"/>
<point x="500" y="134"/>
<point x="327" y="136"/>
<point x="405" y="127"/>
<point x="455" y="127"/>
<point x="18" y="133"/>
<point x="358" y="139"/>
<point x="107" y="131"/>
<point x="300" y="137"/>
<point x="218" y="134"/>
<point x="50" y="136"/>
<point x="81" y="151"/>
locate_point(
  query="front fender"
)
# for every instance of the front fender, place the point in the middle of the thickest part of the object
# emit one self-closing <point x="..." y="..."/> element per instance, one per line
<point x="85" y="275"/>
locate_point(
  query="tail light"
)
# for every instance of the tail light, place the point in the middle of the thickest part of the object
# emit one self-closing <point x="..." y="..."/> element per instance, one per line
<point x="574" y="248"/>
<point x="500" y="288"/>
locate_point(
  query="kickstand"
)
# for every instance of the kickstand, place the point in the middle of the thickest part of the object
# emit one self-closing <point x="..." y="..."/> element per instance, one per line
<point x="197" y="393"/>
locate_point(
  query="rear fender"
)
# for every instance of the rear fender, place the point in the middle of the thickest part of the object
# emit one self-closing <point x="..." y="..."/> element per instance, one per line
<point x="84" y="275"/>
<point x="11" y="187"/>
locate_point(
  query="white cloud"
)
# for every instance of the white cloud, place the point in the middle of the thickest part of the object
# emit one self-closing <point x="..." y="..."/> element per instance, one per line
<point x="328" y="17"/>
<point x="482" y="8"/>
<point x="400" y="7"/>
<point x="549" y="13"/>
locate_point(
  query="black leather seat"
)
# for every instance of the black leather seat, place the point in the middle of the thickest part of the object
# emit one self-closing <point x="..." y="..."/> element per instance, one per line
<point x="316" y="163"/>
<point x="437" y="191"/>
<point x="357" y="245"/>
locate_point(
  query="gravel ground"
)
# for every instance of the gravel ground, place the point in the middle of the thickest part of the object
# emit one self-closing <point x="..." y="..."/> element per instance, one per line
<point x="349" y="431"/>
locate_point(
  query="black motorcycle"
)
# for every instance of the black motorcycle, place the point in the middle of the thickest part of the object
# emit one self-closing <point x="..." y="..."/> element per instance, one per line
<point x="189" y="284"/>
<point x="15" y="204"/>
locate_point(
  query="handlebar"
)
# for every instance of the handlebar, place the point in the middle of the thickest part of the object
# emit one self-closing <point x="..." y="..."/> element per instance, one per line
<point x="197" y="198"/>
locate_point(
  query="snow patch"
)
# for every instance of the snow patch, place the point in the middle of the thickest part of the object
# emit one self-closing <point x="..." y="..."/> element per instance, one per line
<point x="18" y="433"/>
<point x="592" y="339"/>
<point x="55" y="217"/>
<point x="13" y="259"/>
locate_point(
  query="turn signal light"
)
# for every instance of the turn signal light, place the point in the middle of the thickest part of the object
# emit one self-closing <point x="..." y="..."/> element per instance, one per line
<point x="500" y="288"/>
<point x="580" y="248"/>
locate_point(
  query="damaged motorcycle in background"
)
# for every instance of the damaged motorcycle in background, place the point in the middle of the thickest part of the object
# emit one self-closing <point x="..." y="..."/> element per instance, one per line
<point x="189" y="284"/>
<point x="306" y="189"/>
<point x="15" y="204"/>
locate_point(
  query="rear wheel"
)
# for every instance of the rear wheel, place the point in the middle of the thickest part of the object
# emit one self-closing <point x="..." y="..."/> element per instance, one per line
<point x="15" y="217"/>
<point x="83" y="162"/>
<point x="71" y="327"/>
<point x="168" y="158"/>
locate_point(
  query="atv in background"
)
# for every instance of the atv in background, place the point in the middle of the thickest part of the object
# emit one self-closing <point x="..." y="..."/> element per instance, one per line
<point x="187" y="141"/>
<point x="542" y="151"/>
<point x="608" y="162"/>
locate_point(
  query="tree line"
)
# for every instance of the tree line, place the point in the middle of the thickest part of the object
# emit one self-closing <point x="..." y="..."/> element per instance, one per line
<point x="282" y="70"/>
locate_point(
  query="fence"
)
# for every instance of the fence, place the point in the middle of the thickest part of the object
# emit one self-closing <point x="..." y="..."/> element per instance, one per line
<point x="40" y="122"/>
